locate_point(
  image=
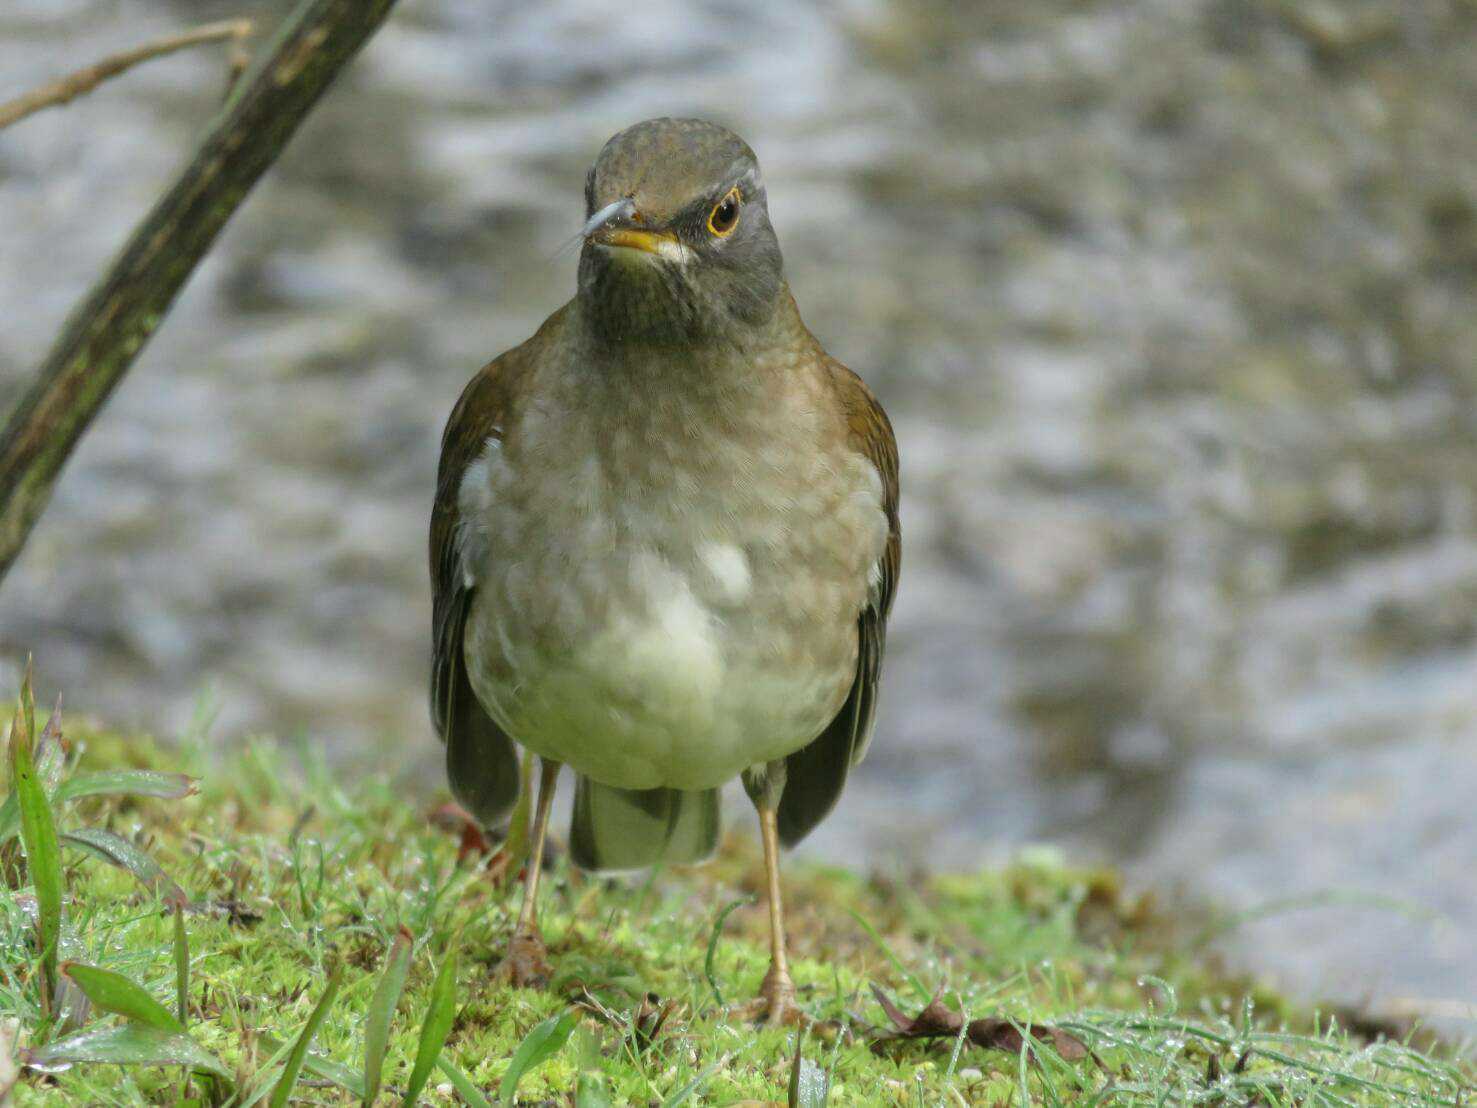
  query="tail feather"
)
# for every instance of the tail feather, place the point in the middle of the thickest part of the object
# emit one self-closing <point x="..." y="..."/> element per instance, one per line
<point x="625" y="829"/>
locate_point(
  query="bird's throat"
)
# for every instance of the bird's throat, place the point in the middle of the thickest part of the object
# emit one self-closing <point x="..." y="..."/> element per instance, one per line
<point x="635" y="297"/>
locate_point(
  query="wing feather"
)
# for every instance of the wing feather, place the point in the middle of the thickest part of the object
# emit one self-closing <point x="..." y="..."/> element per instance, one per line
<point x="481" y="762"/>
<point x="816" y="774"/>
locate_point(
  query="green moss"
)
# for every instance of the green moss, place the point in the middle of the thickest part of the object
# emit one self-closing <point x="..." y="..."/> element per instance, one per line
<point x="291" y="873"/>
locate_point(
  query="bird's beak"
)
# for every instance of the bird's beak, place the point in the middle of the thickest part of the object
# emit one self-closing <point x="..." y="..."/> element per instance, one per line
<point x="612" y="226"/>
<point x="652" y="242"/>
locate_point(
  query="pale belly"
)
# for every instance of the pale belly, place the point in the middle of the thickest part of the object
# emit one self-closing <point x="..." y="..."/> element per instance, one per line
<point x="667" y="629"/>
<point x="655" y="684"/>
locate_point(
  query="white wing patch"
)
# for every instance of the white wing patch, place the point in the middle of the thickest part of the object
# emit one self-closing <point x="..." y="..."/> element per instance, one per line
<point x="473" y="499"/>
<point x="871" y="495"/>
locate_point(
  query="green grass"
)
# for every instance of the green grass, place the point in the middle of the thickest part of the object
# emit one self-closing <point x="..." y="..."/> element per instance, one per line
<point x="293" y="877"/>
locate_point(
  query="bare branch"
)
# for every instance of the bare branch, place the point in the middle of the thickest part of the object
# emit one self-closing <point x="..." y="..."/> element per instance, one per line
<point x="107" y="330"/>
<point x="68" y="88"/>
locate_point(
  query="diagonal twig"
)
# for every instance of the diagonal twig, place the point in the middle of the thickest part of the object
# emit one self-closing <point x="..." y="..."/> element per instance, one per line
<point x="73" y="85"/>
<point x="106" y="331"/>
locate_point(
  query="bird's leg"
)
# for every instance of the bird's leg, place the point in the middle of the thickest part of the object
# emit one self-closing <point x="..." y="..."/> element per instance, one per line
<point x="776" y="1003"/>
<point x="525" y="964"/>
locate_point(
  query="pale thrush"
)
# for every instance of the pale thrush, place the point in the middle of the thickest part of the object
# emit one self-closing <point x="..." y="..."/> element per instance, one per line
<point x="665" y="539"/>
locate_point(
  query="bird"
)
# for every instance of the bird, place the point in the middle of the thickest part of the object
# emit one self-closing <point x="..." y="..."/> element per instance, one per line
<point x="664" y="543"/>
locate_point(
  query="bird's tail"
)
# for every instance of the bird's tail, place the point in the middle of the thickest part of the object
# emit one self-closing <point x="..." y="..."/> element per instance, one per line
<point x="625" y="829"/>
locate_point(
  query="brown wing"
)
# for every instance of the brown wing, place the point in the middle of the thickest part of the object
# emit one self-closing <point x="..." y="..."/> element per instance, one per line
<point x="816" y="774"/>
<point x="481" y="763"/>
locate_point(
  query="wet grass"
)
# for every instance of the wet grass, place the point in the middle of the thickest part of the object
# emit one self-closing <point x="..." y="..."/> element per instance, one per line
<point x="322" y="916"/>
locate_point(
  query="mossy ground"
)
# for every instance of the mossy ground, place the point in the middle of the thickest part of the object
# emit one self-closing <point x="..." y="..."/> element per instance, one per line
<point x="290" y="871"/>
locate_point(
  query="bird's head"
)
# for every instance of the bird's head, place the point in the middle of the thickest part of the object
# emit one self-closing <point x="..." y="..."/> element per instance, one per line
<point x="678" y="244"/>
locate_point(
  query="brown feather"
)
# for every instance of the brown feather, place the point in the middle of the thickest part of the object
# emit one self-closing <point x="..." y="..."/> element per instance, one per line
<point x="480" y="759"/>
<point x="816" y="774"/>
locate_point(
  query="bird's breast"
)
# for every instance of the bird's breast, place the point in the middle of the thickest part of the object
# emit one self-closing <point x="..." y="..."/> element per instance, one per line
<point x="668" y="596"/>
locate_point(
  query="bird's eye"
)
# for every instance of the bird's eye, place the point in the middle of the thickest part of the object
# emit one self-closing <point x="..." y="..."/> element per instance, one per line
<point x="725" y="214"/>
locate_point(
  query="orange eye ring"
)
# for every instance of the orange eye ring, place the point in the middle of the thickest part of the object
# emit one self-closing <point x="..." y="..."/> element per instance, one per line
<point x="725" y="214"/>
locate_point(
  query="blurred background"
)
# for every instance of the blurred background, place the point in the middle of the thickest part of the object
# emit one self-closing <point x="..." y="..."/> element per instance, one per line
<point x="1173" y="303"/>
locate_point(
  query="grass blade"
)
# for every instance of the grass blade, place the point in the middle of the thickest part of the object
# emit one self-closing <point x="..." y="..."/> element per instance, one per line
<point x="537" y="1047"/>
<point x="681" y="1095"/>
<point x="439" y="1014"/>
<point x="382" y="1011"/>
<point x="50" y="755"/>
<point x="112" y="992"/>
<point x="10" y="817"/>
<point x="294" y="1064"/>
<point x="728" y="910"/>
<point x="127" y="782"/>
<point x="329" y="1070"/>
<point x="590" y="1092"/>
<point x="958" y="1040"/>
<point x="345" y="1077"/>
<point x="38" y="837"/>
<point x="49" y="759"/>
<point x="69" y="1004"/>
<point x="118" y="851"/>
<point x="252" y="1093"/>
<point x="463" y="1084"/>
<point x="27" y="705"/>
<point x="181" y="966"/>
<point x="897" y="963"/>
<point x="132" y="1044"/>
<point x="590" y="1088"/>
<point x="810" y="1086"/>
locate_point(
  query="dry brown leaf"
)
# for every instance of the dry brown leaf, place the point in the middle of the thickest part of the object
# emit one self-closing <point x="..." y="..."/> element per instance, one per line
<point x="937" y="1020"/>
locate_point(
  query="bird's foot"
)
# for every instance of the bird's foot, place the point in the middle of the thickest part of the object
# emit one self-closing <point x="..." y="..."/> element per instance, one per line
<point x="775" y="1005"/>
<point x="526" y="964"/>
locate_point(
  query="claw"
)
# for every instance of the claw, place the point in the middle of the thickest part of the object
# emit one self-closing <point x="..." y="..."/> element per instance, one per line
<point x="526" y="965"/>
<point x="775" y="1005"/>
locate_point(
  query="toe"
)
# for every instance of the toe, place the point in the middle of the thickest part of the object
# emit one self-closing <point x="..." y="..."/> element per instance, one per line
<point x="775" y="1005"/>
<point x="526" y="965"/>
